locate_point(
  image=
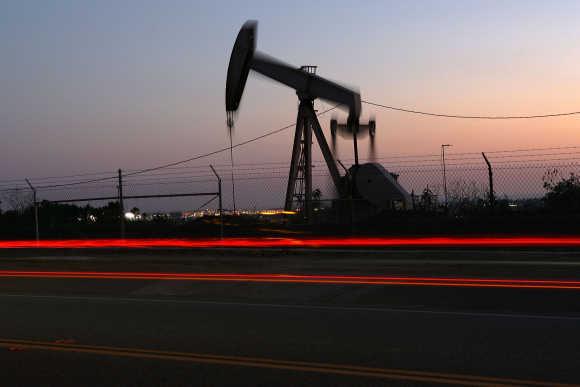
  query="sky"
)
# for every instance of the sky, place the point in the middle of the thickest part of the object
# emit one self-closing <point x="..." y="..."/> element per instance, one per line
<point x="90" y="86"/>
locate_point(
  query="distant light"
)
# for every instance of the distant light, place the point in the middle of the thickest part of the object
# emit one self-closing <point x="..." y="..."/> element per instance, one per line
<point x="276" y="212"/>
<point x="129" y="216"/>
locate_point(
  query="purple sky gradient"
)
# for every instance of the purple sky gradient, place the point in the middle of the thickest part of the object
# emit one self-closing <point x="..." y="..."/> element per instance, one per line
<point x="96" y="86"/>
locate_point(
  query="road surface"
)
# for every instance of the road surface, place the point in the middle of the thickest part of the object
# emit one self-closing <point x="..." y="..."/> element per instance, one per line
<point x="103" y="331"/>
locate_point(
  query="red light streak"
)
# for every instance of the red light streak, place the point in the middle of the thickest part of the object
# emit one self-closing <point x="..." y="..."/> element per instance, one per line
<point x="303" y="279"/>
<point x="528" y="241"/>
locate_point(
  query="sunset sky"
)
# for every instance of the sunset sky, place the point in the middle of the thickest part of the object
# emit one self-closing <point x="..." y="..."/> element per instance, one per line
<point x="96" y="86"/>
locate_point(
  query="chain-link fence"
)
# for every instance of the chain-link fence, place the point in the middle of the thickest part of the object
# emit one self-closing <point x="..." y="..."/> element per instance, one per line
<point x="186" y="193"/>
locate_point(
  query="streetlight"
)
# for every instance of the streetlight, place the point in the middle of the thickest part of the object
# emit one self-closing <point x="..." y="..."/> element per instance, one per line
<point x="443" y="146"/>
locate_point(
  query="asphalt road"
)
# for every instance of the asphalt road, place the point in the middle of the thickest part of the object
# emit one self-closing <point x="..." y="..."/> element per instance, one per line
<point x="160" y="332"/>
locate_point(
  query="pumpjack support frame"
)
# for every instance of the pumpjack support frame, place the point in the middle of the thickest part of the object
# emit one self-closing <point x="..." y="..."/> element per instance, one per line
<point x="306" y="124"/>
<point x="308" y="87"/>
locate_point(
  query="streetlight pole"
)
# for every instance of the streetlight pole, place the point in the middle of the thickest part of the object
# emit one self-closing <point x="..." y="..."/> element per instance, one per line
<point x="443" y="146"/>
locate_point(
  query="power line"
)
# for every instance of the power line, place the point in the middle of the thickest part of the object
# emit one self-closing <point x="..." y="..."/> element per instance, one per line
<point x="64" y="177"/>
<point x="536" y="149"/>
<point x="535" y="155"/>
<point x="568" y="165"/>
<point x="183" y="161"/>
<point x="222" y="149"/>
<point x="76" y="183"/>
<point x="477" y="117"/>
<point x="161" y="178"/>
<point x="204" y="166"/>
<point x="266" y="173"/>
<point x="416" y="158"/>
<point x="174" y="164"/>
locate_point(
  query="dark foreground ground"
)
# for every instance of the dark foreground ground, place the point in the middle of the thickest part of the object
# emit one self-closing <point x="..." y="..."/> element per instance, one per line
<point x="142" y="332"/>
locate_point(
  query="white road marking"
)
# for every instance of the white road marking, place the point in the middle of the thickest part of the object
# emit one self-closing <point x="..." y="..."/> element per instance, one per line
<point x="290" y="306"/>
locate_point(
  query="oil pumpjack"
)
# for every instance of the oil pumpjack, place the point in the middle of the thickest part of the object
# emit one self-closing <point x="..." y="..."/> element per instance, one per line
<point x="369" y="181"/>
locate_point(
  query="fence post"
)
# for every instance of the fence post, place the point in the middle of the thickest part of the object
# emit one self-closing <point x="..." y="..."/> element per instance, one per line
<point x="490" y="173"/>
<point x="220" y="201"/>
<point x="443" y="146"/>
<point x="121" y="205"/>
<point x="35" y="209"/>
<point x="350" y="186"/>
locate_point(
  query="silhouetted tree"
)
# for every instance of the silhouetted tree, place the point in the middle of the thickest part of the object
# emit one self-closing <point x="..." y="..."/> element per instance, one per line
<point x="465" y="196"/>
<point x="18" y="200"/>
<point x="428" y="200"/>
<point x="563" y="194"/>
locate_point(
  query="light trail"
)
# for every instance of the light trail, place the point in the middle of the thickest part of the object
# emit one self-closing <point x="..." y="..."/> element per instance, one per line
<point x="347" y="242"/>
<point x="303" y="279"/>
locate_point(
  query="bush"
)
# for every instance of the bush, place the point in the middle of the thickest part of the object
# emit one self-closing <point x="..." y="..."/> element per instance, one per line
<point x="563" y="194"/>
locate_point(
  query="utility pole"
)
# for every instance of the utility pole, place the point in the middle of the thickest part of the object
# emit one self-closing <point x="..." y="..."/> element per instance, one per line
<point x="220" y="201"/>
<point x="121" y="205"/>
<point x="443" y="146"/>
<point x="35" y="209"/>
<point x="490" y="173"/>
